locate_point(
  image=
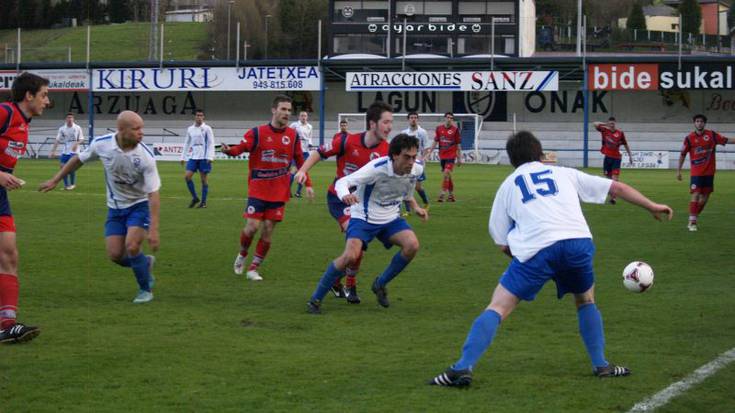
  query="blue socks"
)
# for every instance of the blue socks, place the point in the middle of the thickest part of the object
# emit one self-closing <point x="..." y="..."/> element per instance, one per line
<point x="397" y="264"/>
<point x="140" y="268"/>
<point x="593" y="335"/>
<point x="205" y="191"/>
<point x="407" y="205"/>
<point x="326" y="282"/>
<point x="422" y="194"/>
<point x="192" y="190"/>
<point x="73" y="178"/>
<point x="478" y="339"/>
<point x="124" y="262"/>
<point x="66" y="181"/>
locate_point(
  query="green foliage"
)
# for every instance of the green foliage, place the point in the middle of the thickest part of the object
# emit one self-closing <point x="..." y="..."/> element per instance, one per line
<point x="636" y="19"/>
<point x="299" y="30"/>
<point x="119" y="11"/>
<point x="27" y="18"/>
<point x="213" y="342"/>
<point x="691" y="16"/>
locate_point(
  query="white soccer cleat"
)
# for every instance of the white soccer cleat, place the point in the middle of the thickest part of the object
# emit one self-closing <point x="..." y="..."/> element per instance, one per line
<point x="692" y="226"/>
<point x="143" y="297"/>
<point x="71" y="187"/>
<point x="239" y="265"/>
<point x="253" y="275"/>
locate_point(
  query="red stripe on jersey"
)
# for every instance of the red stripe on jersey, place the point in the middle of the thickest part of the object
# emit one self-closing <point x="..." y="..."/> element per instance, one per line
<point x="14" y="127"/>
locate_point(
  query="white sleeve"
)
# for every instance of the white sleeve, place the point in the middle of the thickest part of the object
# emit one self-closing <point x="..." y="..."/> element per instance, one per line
<point x="294" y="125"/>
<point x="89" y="154"/>
<point x="152" y="182"/>
<point x="500" y="222"/>
<point x="58" y="135"/>
<point x="308" y="137"/>
<point x="365" y="175"/>
<point x="210" y="149"/>
<point x="187" y="145"/>
<point x="591" y="189"/>
<point x="80" y="134"/>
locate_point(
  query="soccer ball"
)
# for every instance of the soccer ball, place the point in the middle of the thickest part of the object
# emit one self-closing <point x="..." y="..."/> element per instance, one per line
<point x="638" y="276"/>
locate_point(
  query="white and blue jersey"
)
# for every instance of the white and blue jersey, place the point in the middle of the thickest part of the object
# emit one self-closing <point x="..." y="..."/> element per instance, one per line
<point x="538" y="205"/>
<point x="423" y="137"/>
<point x="68" y="137"/>
<point x="199" y="143"/>
<point x="129" y="175"/>
<point x="379" y="190"/>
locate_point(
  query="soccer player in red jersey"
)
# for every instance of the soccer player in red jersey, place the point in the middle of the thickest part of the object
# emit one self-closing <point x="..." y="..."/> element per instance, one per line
<point x="700" y="145"/>
<point x="353" y="151"/>
<point x="449" y="140"/>
<point x="612" y="139"/>
<point x="272" y="147"/>
<point x="29" y="98"/>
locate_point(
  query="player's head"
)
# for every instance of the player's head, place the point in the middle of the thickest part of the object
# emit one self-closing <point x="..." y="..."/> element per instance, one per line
<point x="30" y="92"/>
<point x="303" y="116"/>
<point x="611" y="122"/>
<point x="199" y="117"/>
<point x="281" y="109"/>
<point x="522" y="148"/>
<point x="699" y="121"/>
<point x="379" y="118"/>
<point x="69" y="119"/>
<point x="402" y="151"/>
<point x="448" y="119"/>
<point x="130" y="127"/>
<point x="343" y="125"/>
<point x="413" y="119"/>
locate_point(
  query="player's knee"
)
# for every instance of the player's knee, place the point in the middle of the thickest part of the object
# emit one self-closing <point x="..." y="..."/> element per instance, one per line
<point x="115" y="256"/>
<point x="410" y="248"/>
<point x="9" y="259"/>
<point x="132" y="248"/>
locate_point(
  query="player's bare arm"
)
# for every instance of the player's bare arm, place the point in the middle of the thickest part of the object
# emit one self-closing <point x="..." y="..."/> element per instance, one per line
<point x="53" y="149"/>
<point x="312" y="160"/>
<point x="506" y="250"/>
<point x="71" y="166"/>
<point x="9" y="181"/>
<point x="154" y="203"/>
<point x="682" y="157"/>
<point x="632" y="195"/>
<point x="421" y="212"/>
<point x="350" y="199"/>
<point x="630" y="154"/>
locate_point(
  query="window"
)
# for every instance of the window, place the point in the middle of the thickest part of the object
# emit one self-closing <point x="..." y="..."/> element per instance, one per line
<point x="424" y="44"/>
<point x="468" y="45"/>
<point x="360" y="11"/>
<point x="483" y="11"/>
<point x="360" y="43"/>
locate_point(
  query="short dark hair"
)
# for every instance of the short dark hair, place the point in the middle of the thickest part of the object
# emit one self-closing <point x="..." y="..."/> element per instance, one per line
<point x="375" y="111"/>
<point x="199" y="111"/>
<point x="400" y="142"/>
<point x="411" y="113"/>
<point x="24" y="83"/>
<point x="448" y="114"/>
<point x="523" y="147"/>
<point x="611" y="118"/>
<point x="343" y="121"/>
<point x="699" y="116"/>
<point x="69" y="114"/>
<point x="280" y="98"/>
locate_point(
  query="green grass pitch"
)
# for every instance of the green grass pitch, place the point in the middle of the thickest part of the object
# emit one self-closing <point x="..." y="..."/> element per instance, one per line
<point x="212" y="341"/>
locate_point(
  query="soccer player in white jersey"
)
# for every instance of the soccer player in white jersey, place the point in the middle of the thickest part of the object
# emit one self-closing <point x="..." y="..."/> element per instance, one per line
<point x="198" y="156"/>
<point x="132" y="197"/>
<point x="537" y="220"/>
<point x="304" y="130"/>
<point x="375" y="213"/>
<point x="70" y="136"/>
<point x="414" y="129"/>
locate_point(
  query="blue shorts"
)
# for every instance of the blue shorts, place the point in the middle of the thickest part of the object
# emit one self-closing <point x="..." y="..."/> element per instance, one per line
<point x="119" y="220"/>
<point x="364" y="231"/>
<point x="567" y="262"/>
<point x="338" y="209"/>
<point x="4" y="202"/>
<point x="65" y="157"/>
<point x="422" y="178"/>
<point x="446" y="164"/>
<point x="611" y="166"/>
<point x="201" y="165"/>
<point x="260" y="210"/>
<point x="702" y="184"/>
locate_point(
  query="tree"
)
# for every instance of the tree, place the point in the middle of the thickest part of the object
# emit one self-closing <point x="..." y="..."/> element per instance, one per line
<point x="636" y="19"/>
<point x="119" y="11"/>
<point x="27" y="14"/>
<point x="691" y="16"/>
<point x="300" y="20"/>
<point x="8" y="14"/>
<point x="47" y="14"/>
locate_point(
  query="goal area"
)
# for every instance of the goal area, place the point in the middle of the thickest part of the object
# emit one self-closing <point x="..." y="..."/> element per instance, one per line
<point x="469" y="124"/>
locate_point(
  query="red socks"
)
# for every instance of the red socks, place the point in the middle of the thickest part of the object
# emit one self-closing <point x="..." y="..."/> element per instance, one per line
<point x="8" y="300"/>
<point x="261" y="250"/>
<point x="244" y="244"/>
<point x="351" y="272"/>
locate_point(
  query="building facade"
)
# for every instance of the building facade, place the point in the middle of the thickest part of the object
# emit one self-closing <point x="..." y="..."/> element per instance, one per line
<point x="451" y="28"/>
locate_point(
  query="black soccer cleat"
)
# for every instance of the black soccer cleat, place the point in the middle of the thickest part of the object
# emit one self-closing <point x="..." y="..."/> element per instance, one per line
<point x="314" y="307"/>
<point x="19" y="333"/>
<point x="202" y="205"/>
<point x="351" y="295"/>
<point x="381" y="293"/>
<point x="453" y="378"/>
<point x="193" y="202"/>
<point x="338" y="290"/>
<point x="611" y="370"/>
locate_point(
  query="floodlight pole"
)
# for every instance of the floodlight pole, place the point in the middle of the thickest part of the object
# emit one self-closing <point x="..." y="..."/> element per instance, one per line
<point x="17" y="60"/>
<point x="680" y="41"/>
<point x="229" y="13"/>
<point x="492" y="44"/>
<point x="322" y="86"/>
<point x="237" y="49"/>
<point x="403" y="61"/>
<point x="390" y="29"/>
<point x="585" y="100"/>
<point x="161" y="48"/>
<point x="90" y="90"/>
<point x="579" y="27"/>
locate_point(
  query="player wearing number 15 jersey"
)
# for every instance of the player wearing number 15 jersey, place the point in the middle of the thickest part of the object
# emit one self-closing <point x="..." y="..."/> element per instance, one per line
<point x="537" y="220"/>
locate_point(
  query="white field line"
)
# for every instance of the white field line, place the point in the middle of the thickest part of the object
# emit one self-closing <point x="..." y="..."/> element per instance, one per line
<point x="699" y="375"/>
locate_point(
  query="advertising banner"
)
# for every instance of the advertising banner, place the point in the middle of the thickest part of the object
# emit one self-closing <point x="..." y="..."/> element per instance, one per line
<point x="647" y="160"/>
<point x="526" y="81"/>
<point x="172" y="152"/>
<point x="625" y="76"/>
<point x="59" y="80"/>
<point x="170" y="79"/>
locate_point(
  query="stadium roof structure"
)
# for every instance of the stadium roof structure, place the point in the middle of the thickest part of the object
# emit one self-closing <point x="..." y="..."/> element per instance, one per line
<point x="569" y="67"/>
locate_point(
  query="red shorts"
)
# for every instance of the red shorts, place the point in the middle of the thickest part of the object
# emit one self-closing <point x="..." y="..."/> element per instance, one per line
<point x="7" y="223"/>
<point x="261" y="210"/>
